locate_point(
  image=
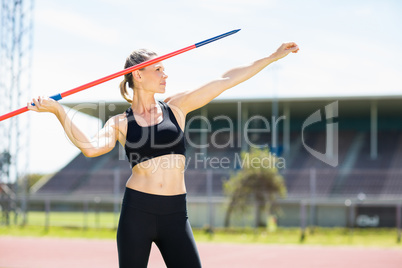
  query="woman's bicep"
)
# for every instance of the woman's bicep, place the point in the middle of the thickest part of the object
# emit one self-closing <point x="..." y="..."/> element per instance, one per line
<point x="103" y="141"/>
<point x="197" y="98"/>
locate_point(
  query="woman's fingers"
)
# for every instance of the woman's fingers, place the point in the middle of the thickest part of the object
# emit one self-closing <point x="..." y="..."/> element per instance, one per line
<point x="285" y="49"/>
<point x="36" y="104"/>
<point x="290" y="47"/>
<point x="293" y="47"/>
<point x="29" y="106"/>
<point x="32" y="105"/>
<point x="43" y="104"/>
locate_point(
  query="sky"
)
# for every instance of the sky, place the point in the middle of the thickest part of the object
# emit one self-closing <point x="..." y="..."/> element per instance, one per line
<point x="347" y="48"/>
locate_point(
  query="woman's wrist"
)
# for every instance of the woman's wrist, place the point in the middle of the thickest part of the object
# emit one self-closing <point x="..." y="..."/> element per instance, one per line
<point x="275" y="56"/>
<point x="59" y="111"/>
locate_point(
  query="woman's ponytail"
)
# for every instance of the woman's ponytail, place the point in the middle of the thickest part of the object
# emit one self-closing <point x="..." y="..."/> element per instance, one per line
<point x="123" y="91"/>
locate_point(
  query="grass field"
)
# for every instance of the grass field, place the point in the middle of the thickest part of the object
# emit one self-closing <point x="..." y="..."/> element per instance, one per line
<point x="103" y="225"/>
<point x="74" y="219"/>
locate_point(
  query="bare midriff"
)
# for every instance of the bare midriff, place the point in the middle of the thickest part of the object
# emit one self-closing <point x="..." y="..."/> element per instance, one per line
<point x="163" y="175"/>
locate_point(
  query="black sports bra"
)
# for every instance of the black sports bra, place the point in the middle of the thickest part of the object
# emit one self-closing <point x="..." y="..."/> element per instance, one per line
<point x="144" y="143"/>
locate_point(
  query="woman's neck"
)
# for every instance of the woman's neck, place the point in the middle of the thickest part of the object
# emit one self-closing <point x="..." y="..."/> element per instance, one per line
<point x="143" y="102"/>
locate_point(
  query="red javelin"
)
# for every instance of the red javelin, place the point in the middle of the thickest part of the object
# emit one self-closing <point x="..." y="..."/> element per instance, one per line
<point x="123" y="72"/>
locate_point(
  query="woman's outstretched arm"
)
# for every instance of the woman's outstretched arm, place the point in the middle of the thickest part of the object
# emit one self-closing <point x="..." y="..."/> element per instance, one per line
<point x="194" y="99"/>
<point x="103" y="142"/>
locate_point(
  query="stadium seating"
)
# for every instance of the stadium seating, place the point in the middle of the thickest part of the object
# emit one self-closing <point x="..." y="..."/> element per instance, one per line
<point x="356" y="172"/>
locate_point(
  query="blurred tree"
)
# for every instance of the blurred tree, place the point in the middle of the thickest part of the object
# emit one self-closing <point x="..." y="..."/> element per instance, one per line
<point x="258" y="182"/>
<point x="5" y="161"/>
<point x="32" y="179"/>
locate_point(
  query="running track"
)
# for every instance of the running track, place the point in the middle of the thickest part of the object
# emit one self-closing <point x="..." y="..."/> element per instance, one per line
<point x="25" y="252"/>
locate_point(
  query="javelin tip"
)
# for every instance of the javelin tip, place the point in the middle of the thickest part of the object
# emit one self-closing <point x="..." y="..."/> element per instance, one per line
<point x="215" y="38"/>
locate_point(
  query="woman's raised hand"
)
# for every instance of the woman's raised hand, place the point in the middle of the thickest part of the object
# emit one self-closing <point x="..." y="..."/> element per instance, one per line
<point x="44" y="104"/>
<point x="284" y="50"/>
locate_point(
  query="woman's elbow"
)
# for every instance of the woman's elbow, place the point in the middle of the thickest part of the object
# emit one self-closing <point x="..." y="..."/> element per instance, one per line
<point x="89" y="153"/>
<point x="95" y="151"/>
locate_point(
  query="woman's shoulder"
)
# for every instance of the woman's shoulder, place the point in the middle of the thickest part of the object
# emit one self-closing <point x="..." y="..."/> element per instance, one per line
<point x="175" y="100"/>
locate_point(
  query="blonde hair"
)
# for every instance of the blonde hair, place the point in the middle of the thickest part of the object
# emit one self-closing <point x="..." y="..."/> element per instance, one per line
<point x="136" y="57"/>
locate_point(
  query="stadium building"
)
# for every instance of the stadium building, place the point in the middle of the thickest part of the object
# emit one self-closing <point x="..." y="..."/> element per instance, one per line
<point x="340" y="158"/>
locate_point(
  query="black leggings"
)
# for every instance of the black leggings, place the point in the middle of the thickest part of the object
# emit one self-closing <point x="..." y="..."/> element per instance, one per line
<point x="147" y="218"/>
